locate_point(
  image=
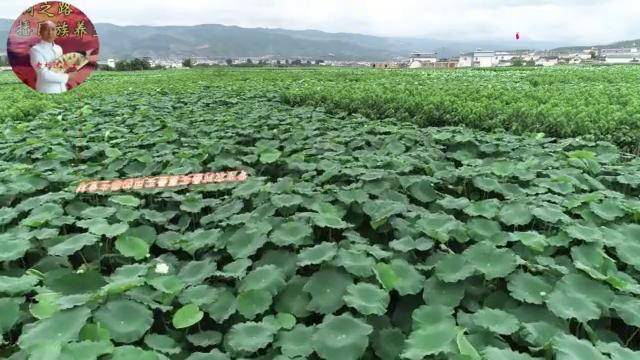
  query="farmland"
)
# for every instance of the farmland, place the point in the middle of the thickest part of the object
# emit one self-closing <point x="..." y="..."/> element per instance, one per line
<point x="597" y="102"/>
<point x="362" y="231"/>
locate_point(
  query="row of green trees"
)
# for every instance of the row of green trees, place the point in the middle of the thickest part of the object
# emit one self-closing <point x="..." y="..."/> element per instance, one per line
<point x="144" y="64"/>
<point x="131" y="65"/>
<point x="518" y="61"/>
<point x="189" y="63"/>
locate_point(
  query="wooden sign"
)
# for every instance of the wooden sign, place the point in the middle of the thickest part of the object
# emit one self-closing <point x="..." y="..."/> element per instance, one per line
<point x="160" y="182"/>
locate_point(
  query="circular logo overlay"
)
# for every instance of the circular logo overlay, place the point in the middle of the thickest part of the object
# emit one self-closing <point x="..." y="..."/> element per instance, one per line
<point x="53" y="47"/>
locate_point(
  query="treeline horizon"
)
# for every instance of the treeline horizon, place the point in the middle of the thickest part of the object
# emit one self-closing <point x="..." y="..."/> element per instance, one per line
<point x="137" y="64"/>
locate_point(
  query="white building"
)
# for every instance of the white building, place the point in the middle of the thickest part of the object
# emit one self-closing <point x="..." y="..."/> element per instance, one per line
<point x="547" y="61"/>
<point x="426" y="57"/>
<point x="586" y="54"/>
<point x="109" y="62"/>
<point x="490" y="58"/>
<point x="621" y="56"/>
<point x="418" y="60"/>
<point x="483" y="59"/>
<point x="205" y="62"/>
<point x="166" y="63"/>
<point x="486" y="58"/>
<point x="575" y="60"/>
<point x="624" y="58"/>
<point x="505" y="56"/>
<point x="592" y="50"/>
<point x="465" y="60"/>
<point x="579" y="55"/>
<point x="606" y="52"/>
<point x="533" y="56"/>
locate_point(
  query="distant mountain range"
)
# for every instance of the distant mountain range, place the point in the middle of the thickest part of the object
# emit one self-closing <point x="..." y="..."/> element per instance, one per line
<point x="220" y="41"/>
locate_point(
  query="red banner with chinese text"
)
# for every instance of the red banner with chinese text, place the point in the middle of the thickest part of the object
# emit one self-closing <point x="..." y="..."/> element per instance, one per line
<point x="161" y="182"/>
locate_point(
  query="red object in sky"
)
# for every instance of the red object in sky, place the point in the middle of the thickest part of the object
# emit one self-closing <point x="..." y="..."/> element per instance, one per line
<point x="517" y="36"/>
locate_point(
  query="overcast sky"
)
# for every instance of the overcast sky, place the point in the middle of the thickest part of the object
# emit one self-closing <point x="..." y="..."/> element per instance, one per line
<point x="568" y="21"/>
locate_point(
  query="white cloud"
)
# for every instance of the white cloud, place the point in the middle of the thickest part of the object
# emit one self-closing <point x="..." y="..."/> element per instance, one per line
<point x="575" y="21"/>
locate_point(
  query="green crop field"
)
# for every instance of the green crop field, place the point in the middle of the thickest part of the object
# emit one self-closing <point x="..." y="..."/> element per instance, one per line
<point x="362" y="232"/>
<point x="599" y="102"/>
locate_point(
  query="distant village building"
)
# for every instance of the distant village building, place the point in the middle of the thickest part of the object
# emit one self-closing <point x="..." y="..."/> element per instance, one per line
<point x="465" y="60"/>
<point x="626" y="58"/>
<point x="385" y="65"/>
<point x="577" y="57"/>
<point x="446" y="64"/>
<point x="490" y="58"/>
<point x="484" y="59"/>
<point x="442" y="64"/>
<point x="547" y="61"/>
<point x="205" y="62"/>
<point x="587" y="54"/>
<point x="621" y="56"/>
<point x="580" y="56"/>
<point x="165" y="63"/>
<point x="111" y="63"/>
<point x="418" y="60"/>
<point x="504" y="56"/>
<point x="4" y="63"/>
<point x="575" y="60"/>
<point x="606" y="52"/>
